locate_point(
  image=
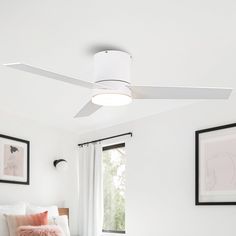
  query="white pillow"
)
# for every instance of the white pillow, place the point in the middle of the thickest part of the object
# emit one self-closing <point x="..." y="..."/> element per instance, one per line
<point x="32" y="209"/>
<point x="3" y="226"/>
<point x="17" y="209"/>
<point x="62" y="222"/>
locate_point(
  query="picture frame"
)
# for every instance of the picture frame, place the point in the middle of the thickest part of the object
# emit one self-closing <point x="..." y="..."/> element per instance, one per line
<point x="14" y="160"/>
<point x="215" y="165"/>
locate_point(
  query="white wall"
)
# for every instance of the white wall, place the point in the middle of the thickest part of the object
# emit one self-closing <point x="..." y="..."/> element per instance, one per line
<point x="160" y="173"/>
<point x="47" y="186"/>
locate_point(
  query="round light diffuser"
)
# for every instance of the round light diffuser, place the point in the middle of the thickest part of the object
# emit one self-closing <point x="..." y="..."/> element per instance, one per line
<point x="111" y="99"/>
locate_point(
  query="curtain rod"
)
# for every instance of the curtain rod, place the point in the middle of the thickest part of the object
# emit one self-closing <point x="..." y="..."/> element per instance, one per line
<point x="102" y="139"/>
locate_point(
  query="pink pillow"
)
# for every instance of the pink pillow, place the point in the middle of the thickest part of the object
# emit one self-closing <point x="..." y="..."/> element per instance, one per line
<point x="45" y="230"/>
<point x="14" y="221"/>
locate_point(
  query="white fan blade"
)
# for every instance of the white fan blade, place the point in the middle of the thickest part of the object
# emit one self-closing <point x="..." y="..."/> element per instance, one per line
<point x="148" y="92"/>
<point x="52" y="75"/>
<point x="87" y="110"/>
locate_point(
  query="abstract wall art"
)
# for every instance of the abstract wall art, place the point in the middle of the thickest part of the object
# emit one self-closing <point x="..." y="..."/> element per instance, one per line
<point x="216" y="166"/>
<point x="14" y="160"/>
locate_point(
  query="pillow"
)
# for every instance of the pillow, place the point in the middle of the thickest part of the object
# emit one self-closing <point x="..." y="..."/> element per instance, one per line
<point x="17" y="209"/>
<point x="3" y="226"/>
<point x="49" y="230"/>
<point x="32" y="209"/>
<point x="14" y="221"/>
<point x="61" y="221"/>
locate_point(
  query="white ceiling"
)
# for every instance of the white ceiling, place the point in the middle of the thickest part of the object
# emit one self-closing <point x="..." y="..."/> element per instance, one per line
<point x="185" y="43"/>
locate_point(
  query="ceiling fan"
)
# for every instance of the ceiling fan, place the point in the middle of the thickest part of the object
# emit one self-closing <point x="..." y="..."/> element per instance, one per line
<point x="112" y="86"/>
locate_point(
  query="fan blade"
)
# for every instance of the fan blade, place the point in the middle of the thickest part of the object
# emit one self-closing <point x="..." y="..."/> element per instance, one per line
<point x="51" y="75"/>
<point x="148" y="92"/>
<point x="87" y="110"/>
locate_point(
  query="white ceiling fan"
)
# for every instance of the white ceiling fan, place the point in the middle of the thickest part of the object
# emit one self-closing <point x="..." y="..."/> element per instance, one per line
<point x="112" y="86"/>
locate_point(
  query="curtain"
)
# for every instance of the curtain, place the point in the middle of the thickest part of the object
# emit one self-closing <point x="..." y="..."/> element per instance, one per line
<point x="90" y="190"/>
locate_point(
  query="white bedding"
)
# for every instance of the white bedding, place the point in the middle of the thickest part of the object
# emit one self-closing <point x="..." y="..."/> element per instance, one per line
<point x="25" y="209"/>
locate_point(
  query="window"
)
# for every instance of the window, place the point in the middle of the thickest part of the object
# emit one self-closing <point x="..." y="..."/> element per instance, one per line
<point x="114" y="188"/>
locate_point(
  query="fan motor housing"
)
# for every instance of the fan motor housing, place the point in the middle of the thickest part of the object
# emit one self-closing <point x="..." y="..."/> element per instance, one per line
<point x="112" y="65"/>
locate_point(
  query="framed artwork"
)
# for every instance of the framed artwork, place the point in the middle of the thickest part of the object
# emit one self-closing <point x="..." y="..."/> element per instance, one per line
<point x="216" y="165"/>
<point x="14" y="160"/>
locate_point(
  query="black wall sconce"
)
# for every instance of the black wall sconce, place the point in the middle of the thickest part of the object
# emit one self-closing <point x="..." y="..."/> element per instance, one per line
<point x="61" y="164"/>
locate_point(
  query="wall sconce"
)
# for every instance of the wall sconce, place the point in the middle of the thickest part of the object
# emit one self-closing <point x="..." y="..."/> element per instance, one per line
<point x="61" y="164"/>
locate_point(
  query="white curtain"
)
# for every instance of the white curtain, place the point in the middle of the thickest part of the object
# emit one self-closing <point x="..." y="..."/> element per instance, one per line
<point x="90" y="190"/>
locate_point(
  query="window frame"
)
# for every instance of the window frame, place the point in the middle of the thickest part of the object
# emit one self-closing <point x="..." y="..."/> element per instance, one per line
<point x="113" y="146"/>
<point x="106" y="148"/>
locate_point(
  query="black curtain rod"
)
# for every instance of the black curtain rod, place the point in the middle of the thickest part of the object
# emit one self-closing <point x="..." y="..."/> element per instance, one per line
<point x="102" y="139"/>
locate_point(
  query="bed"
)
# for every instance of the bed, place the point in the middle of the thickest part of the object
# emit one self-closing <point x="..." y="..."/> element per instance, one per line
<point x="64" y="211"/>
<point x="26" y="220"/>
<point x="56" y="226"/>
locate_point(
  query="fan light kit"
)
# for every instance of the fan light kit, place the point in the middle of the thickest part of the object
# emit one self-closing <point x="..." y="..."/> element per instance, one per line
<point x="112" y="72"/>
<point x="112" y="86"/>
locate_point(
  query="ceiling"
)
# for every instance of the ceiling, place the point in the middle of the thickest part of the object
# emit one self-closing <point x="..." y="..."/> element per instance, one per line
<point x="173" y="43"/>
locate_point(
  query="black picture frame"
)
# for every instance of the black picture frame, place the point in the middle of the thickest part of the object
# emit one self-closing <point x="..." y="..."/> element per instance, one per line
<point x="27" y="149"/>
<point x="197" y="167"/>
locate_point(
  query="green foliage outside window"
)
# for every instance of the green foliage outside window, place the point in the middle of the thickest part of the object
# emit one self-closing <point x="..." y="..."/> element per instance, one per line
<point x="114" y="189"/>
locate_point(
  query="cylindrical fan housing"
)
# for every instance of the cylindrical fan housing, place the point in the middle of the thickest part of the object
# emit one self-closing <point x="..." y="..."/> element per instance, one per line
<point x="112" y="65"/>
